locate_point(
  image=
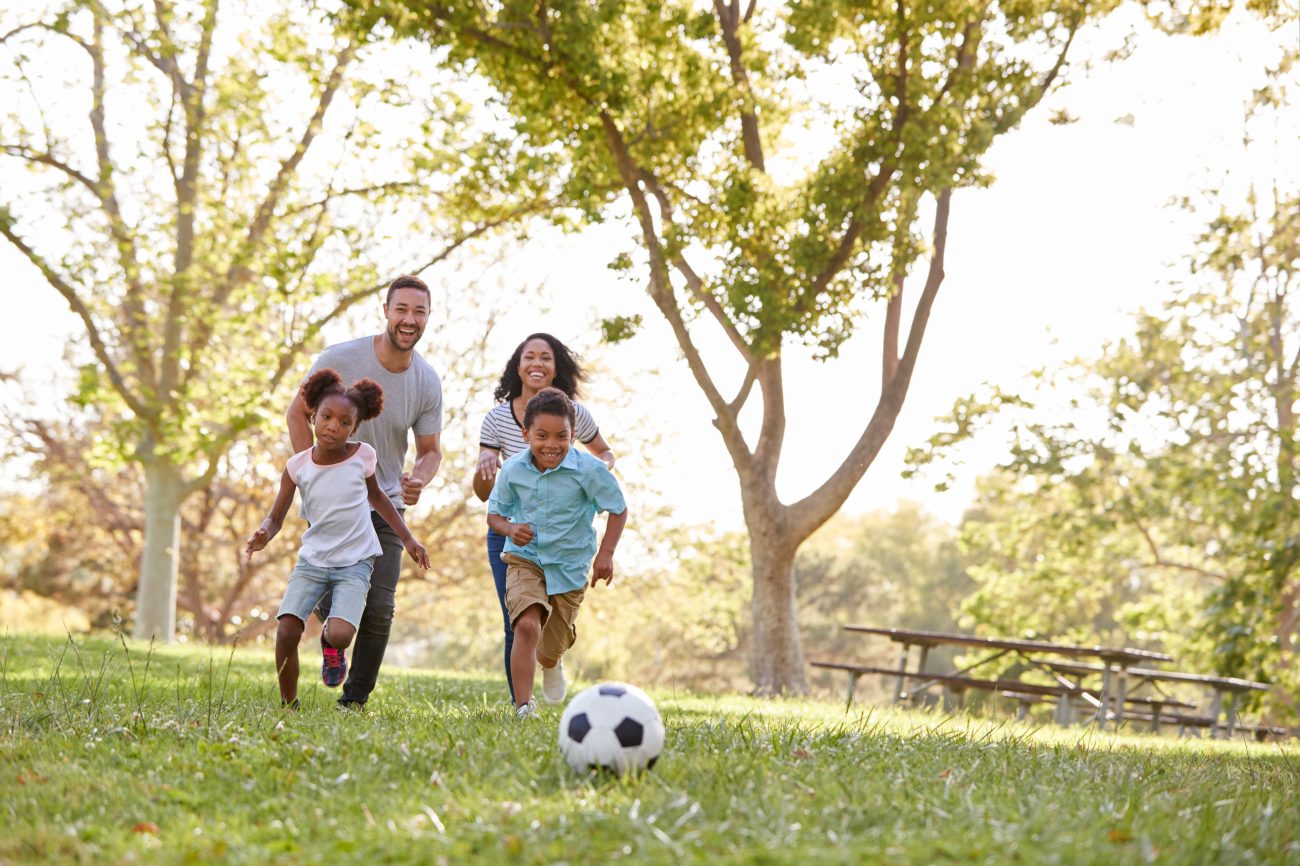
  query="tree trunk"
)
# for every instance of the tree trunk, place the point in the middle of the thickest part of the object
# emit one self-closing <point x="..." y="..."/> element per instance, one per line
<point x="155" y="607"/>
<point x="776" y="660"/>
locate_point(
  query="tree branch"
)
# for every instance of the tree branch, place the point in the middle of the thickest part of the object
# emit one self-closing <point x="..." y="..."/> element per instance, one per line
<point x="728" y="19"/>
<point x="241" y="268"/>
<point x="661" y="292"/>
<point x="693" y="281"/>
<point x="815" y="509"/>
<point x="97" y="345"/>
<point x="194" y="94"/>
<point x="361" y="190"/>
<point x="889" y="344"/>
<point x="136" y="330"/>
<point x="1013" y="117"/>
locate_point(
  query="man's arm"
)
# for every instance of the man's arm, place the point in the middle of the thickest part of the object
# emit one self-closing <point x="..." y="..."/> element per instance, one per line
<point x="298" y="420"/>
<point x="428" y="457"/>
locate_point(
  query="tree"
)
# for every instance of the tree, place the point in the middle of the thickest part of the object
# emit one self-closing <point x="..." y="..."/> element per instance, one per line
<point x="1151" y="494"/>
<point x="777" y="166"/>
<point x="229" y="192"/>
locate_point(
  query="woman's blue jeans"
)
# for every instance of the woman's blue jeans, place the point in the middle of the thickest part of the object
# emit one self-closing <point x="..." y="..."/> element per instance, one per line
<point x="495" y="544"/>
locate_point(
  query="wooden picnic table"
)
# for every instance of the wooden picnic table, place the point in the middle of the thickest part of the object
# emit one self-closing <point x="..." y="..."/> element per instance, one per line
<point x="1232" y="687"/>
<point x="1115" y="660"/>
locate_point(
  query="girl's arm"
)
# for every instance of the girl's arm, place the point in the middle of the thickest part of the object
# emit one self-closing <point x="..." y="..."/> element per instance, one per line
<point x="603" y="566"/>
<point x="601" y="449"/>
<point x="485" y="474"/>
<point x="271" y="525"/>
<point x="384" y="506"/>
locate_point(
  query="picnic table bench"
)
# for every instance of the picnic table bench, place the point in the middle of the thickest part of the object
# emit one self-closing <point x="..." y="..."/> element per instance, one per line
<point x="1232" y="687"/>
<point x="1023" y="692"/>
<point x="1110" y="699"/>
<point x="1156" y="706"/>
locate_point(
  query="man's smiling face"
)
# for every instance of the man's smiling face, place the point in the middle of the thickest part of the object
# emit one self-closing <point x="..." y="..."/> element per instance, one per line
<point x="407" y="312"/>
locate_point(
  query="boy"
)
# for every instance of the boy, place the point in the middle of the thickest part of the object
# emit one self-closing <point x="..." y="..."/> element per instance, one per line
<point x="544" y="502"/>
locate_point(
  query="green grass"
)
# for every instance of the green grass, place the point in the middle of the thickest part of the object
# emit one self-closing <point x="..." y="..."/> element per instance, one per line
<point x="113" y="753"/>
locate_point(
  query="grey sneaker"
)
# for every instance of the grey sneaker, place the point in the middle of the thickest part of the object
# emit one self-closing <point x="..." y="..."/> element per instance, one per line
<point x="527" y="711"/>
<point x="553" y="683"/>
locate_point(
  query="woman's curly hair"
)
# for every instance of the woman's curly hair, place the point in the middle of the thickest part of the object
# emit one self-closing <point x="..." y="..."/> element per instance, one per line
<point x="569" y="374"/>
<point x="365" y="394"/>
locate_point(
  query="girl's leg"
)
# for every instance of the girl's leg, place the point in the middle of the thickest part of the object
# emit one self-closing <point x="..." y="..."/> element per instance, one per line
<point x="523" y="657"/>
<point x="338" y="633"/>
<point x="496" y="542"/>
<point x="287" y="635"/>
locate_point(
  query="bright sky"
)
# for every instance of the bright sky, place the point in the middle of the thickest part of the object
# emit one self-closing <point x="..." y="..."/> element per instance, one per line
<point x="1045" y="265"/>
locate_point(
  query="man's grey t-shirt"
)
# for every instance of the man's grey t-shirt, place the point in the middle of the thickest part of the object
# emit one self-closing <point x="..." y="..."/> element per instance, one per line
<point x="412" y="401"/>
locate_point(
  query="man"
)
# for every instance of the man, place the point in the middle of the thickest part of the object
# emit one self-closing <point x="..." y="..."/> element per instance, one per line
<point x="412" y="401"/>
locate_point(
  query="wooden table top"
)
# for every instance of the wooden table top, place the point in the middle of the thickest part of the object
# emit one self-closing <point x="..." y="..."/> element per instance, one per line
<point x="1121" y="655"/>
<point x="1231" y="684"/>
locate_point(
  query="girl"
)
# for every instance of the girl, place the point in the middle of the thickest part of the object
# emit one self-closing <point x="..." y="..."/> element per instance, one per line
<point x="337" y="480"/>
<point x="540" y="361"/>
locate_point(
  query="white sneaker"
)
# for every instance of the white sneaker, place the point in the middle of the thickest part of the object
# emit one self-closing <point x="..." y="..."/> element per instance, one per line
<point x="554" y="685"/>
<point x="527" y="711"/>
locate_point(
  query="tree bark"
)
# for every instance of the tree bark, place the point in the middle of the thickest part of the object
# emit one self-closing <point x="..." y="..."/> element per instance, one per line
<point x="776" y="655"/>
<point x="155" y="608"/>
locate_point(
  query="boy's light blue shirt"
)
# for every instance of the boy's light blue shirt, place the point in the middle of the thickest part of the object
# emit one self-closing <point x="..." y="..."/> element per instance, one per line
<point x="559" y="505"/>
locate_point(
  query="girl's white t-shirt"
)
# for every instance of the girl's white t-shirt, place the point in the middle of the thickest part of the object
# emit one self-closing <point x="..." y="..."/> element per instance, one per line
<point x="336" y="504"/>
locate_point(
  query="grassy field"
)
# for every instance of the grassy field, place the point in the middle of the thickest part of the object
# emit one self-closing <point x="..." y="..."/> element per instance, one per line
<point x="113" y="753"/>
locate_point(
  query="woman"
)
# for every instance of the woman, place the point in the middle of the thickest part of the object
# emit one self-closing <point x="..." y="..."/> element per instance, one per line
<point x="540" y="361"/>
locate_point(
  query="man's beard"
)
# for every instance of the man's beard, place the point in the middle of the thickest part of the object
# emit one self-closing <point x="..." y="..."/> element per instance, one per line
<point x="393" y="340"/>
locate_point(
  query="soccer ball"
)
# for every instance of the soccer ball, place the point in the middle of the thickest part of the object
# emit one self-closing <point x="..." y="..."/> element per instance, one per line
<point x="611" y="726"/>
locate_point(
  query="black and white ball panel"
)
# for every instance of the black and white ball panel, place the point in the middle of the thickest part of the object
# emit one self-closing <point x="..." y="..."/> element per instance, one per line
<point x="611" y="725"/>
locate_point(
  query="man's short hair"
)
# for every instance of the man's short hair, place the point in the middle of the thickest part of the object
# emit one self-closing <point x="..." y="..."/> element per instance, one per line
<point x="408" y="281"/>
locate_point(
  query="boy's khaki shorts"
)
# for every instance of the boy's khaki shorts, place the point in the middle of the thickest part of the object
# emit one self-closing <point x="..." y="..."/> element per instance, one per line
<point x="525" y="587"/>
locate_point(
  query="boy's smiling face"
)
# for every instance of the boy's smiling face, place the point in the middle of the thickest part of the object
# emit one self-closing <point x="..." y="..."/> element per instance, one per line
<point x="549" y="437"/>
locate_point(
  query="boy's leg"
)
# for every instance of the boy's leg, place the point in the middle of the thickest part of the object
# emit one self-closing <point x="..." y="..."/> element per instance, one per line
<point x="377" y="621"/>
<point x="528" y="607"/>
<point x="561" y="631"/>
<point x="496" y="542"/>
<point x="287" y="634"/>
<point x="523" y="659"/>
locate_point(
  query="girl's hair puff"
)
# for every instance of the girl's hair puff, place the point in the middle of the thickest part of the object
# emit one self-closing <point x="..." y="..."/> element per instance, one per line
<point x="365" y="394"/>
<point x="569" y="374"/>
<point x="550" y="401"/>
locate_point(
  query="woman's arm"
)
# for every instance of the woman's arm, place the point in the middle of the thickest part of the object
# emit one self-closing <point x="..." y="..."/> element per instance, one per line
<point x="485" y="473"/>
<point x="601" y="449"/>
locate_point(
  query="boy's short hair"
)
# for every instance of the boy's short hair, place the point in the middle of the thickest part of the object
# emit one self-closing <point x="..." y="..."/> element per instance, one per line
<point x="550" y="401"/>
<point x="408" y="281"/>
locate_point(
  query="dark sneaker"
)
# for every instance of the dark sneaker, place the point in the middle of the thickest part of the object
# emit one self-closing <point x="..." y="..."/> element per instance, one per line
<point x="333" y="665"/>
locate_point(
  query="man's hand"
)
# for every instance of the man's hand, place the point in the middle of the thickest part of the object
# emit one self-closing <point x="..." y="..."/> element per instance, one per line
<point x="520" y="534"/>
<point x="417" y="551"/>
<point x="411" y="488"/>
<point x="602" y="568"/>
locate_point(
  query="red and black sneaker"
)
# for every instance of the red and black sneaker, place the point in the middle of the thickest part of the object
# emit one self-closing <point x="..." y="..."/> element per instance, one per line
<point x="333" y="664"/>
